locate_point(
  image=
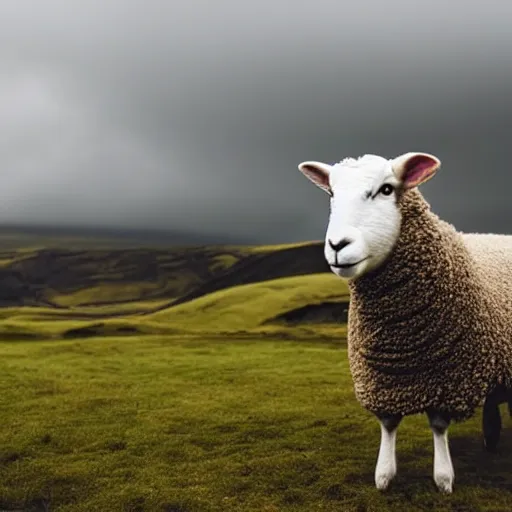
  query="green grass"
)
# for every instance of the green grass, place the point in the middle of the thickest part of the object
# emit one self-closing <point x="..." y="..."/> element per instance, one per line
<point x="210" y="405"/>
<point x="240" y="309"/>
<point x="223" y="262"/>
<point x="255" y="249"/>
<point x="249" y="306"/>
<point x="113" y="293"/>
<point x="125" y="308"/>
<point x="107" y="310"/>
<point x="181" y="424"/>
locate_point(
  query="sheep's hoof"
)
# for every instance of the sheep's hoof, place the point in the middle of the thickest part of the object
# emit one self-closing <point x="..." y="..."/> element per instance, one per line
<point x="444" y="482"/>
<point x="382" y="480"/>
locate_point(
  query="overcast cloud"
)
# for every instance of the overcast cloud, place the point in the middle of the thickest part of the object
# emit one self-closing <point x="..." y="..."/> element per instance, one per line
<point x="193" y="115"/>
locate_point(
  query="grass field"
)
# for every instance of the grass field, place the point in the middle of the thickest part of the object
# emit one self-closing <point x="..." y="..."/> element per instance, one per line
<point x="186" y="424"/>
<point x="174" y="381"/>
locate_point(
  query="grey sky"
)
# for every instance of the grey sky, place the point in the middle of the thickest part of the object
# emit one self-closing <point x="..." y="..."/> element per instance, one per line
<point x="193" y="115"/>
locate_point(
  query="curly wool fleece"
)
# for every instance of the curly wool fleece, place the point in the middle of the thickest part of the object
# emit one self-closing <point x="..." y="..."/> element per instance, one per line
<point x="432" y="327"/>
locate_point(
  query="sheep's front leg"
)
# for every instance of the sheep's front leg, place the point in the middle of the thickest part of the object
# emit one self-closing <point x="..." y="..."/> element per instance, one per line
<point x="443" y="468"/>
<point x="385" y="469"/>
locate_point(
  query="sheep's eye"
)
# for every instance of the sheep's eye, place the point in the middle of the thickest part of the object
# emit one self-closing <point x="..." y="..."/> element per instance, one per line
<point x="386" y="189"/>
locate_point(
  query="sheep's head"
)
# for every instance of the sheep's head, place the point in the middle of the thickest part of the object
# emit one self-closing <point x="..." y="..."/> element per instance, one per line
<point x="365" y="219"/>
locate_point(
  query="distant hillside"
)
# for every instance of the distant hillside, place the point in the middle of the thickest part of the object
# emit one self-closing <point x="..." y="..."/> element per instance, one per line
<point x="312" y="305"/>
<point x="97" y="277"/>
<point x="63" y="277"/>
<point x="263" y="265"/>
<point x="80" y="287"/>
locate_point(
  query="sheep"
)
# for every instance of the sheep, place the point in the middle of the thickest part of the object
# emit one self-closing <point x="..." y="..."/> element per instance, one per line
<point x="430" y="315"/>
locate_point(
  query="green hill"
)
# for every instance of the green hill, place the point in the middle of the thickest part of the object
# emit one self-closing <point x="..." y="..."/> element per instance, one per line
<point x="271" y="306"/>
<point x="253" y="305"/>
<point x="63" y="278"/>
<point x="87" y="291"/>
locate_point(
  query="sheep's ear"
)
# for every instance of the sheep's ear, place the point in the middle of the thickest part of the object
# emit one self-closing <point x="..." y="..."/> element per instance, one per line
<point x="318" y="173"/>
<point x="413" y="169"/>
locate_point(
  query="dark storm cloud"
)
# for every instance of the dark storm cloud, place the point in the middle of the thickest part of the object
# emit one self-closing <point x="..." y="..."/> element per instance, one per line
<point x="194" y="115"/>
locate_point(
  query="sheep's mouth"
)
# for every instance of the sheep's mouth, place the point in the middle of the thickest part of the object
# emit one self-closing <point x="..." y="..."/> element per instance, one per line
<point x="349" y="265"/>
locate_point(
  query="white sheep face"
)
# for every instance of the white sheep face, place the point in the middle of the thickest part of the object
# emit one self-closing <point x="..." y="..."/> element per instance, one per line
<point x="365" y="220"/>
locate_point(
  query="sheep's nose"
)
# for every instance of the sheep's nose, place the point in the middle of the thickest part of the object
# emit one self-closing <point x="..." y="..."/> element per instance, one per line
<point x="340" y="245"/>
